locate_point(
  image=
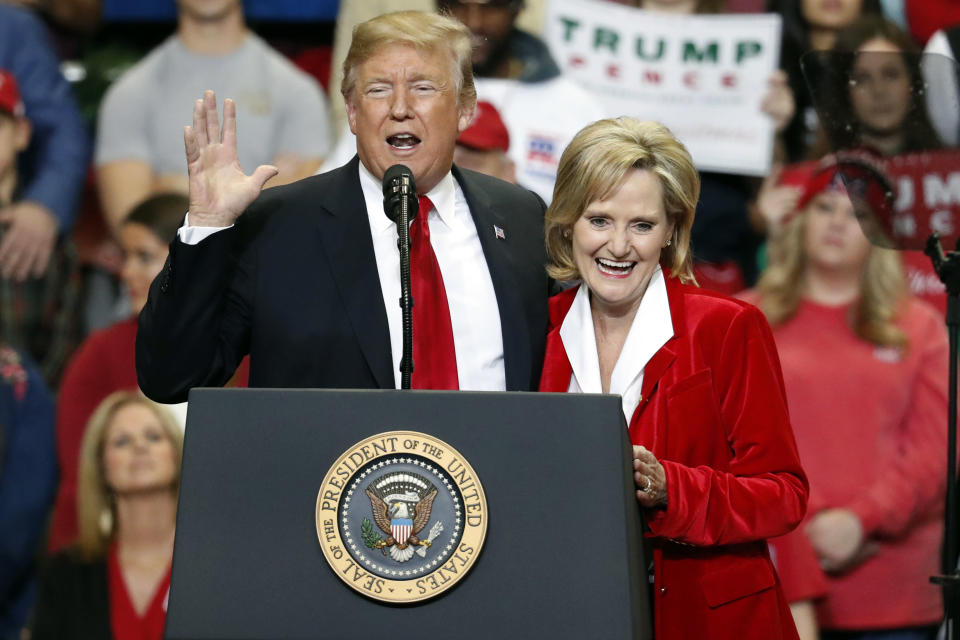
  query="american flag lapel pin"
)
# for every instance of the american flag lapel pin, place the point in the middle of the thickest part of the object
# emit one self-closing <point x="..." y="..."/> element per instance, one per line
<point x="498" y="232"/>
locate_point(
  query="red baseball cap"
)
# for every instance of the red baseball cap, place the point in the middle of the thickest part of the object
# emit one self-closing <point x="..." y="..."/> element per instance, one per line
<point x="811" y="178"/>
<point x="10" y="101"/>
<point x="487" y="131"/>
<point x="861" y="175"/>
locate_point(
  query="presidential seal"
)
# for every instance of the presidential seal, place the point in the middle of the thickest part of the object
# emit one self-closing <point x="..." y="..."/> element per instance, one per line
<point x="401" y="516"/>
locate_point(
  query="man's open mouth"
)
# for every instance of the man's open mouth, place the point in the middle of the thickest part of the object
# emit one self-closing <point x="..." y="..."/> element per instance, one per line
<point x="403" y="141"/>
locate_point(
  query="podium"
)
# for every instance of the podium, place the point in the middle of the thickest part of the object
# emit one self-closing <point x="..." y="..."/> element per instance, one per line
<point x="562" y="555"/>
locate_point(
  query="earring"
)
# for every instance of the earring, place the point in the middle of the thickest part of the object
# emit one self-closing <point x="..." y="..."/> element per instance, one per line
<point x="668" y="243"/>
<point x="566" y="233"/>
<point x="106" y="522"/>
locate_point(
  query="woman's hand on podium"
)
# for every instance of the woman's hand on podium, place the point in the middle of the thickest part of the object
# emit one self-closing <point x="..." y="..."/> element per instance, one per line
<point x="650" y="477"/>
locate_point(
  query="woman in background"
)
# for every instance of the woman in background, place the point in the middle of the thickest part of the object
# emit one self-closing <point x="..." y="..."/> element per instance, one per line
<point x="114" y="583"/>
<point x="105" y="362"/>
<point x="811" y="25"/>
<point x="875" y="89"/>
<point x="865" y="371"/>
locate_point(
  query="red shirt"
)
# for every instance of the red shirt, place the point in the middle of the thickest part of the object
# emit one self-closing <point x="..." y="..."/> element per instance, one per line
<point x="125" y="622"/>
<point x="870" y="424"/>
<point x="923" y="281"/>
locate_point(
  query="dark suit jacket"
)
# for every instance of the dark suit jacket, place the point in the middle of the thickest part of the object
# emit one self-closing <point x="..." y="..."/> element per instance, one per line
<point x="295" y="284"/>
<point x="72" y="600"/>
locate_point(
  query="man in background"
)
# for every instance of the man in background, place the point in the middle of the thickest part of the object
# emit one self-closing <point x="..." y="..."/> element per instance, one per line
<point x="28" y="482"/>
<point x="282" y="109"/>
<point x="38" y="314"/>
<point x="484" y="145"/>
<point x="53" y="166"/>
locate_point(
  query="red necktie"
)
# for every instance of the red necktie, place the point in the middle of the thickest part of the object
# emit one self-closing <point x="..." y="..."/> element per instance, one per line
<point x="434" y="356"/>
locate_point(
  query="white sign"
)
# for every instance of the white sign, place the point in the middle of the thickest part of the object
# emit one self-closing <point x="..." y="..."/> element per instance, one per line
<point x="704" y="76"/>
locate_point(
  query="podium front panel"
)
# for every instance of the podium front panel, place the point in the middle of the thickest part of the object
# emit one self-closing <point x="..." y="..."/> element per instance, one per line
<point x="562" y="556"/>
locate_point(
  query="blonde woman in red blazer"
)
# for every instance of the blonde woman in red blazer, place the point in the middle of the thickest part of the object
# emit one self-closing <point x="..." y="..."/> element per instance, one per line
<point x="715" y="460"/>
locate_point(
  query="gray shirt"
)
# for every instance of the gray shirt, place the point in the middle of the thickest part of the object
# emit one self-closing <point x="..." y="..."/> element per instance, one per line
<point x="279" y="108"/>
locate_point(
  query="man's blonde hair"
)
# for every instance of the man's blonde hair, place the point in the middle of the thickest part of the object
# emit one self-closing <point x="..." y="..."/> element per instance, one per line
<point x="426" y="32"/>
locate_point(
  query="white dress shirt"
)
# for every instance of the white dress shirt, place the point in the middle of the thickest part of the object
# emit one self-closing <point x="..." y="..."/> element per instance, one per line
<point x="651" y="328"/>
<point x="474" y="314"/>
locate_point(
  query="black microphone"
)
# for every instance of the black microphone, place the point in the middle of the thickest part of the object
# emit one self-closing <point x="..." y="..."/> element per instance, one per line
<point x="398" y="182"/>
<point x="400" y="203"/>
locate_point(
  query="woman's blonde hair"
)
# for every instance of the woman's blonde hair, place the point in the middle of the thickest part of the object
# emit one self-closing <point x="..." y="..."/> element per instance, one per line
<point x="95" y="504"/>
<point x="593" y="167"/>
<point x="882" y="285"/>
<point x="426" y="32"/>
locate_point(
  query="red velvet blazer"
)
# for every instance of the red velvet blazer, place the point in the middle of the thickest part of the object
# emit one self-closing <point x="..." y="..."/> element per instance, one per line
<point x="713" y="410"/>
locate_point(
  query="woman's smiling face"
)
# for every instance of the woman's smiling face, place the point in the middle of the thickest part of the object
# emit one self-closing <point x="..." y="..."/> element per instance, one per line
<point x="617" y="242"/>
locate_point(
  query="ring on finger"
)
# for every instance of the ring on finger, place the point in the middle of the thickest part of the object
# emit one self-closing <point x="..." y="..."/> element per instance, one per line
<point x="647" y="486"/>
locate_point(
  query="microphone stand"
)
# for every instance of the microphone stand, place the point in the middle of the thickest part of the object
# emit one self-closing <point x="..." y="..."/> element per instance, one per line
<point x="406" y="295"/>
<point x="948" y="269"/>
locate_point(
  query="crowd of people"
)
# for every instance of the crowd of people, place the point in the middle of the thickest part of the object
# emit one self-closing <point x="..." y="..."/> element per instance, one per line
<point x="799" y="370"/>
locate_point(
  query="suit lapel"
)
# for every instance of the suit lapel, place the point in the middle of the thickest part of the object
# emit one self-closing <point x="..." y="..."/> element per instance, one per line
<point x="488" y="216"/>
<point x="556" y="366"/>
<point x="660" y="362"/>
<point x="345" y="234"/>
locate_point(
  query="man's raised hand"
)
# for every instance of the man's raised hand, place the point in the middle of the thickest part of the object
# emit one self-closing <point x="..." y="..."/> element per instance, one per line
<point x="219" y="190"/>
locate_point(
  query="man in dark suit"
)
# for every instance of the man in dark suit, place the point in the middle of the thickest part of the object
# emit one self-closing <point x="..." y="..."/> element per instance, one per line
<point x="307" y="279"/>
